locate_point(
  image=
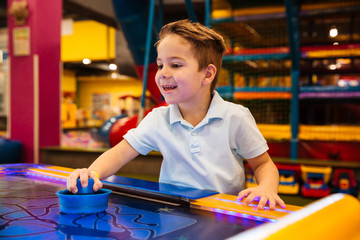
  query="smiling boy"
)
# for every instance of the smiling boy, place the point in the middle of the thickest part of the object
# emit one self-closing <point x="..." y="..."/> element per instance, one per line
<point x="202" y="138"/>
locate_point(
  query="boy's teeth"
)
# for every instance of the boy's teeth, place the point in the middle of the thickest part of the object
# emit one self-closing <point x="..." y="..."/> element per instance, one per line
<point x="169" y="87"/>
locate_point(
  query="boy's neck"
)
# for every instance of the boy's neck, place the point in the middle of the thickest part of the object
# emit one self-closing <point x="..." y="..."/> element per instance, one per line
<point x="195" y="113"/>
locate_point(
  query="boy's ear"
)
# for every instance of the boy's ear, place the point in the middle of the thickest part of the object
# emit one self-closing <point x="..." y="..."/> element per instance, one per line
<point x="210" y="72"/>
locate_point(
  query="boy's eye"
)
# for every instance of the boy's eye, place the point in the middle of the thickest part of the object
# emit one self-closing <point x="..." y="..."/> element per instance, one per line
<point x="175" y="65"/>
<point x="159" y="66"/>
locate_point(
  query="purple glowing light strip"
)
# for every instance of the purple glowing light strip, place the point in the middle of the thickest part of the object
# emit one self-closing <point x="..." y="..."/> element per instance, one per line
<point x="52" y="177"/>
<point x="31" y="172"/>
<point x="242" y="215"/>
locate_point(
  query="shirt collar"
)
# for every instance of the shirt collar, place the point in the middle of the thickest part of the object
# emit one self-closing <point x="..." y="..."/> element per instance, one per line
<point x="216" y="110"/>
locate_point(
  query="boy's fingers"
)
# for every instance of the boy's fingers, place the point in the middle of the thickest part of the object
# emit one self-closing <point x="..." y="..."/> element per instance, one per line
<point x="71" y="181"/>
<point x="84" y="176"/>
<point x="243" y="194"/>
<point x="249" y="199"/>
<point x="281" y="203"/>
<point x="272" y="204"/>
<point x="262" y="203"/>
<point x="97" y="184"/>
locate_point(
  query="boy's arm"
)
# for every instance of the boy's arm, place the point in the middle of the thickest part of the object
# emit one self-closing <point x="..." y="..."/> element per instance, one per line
<point x="267" y="177"/>
<point x="105" y="165"/>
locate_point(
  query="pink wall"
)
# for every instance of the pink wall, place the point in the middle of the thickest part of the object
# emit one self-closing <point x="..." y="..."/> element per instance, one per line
<point x="45" y="27"/>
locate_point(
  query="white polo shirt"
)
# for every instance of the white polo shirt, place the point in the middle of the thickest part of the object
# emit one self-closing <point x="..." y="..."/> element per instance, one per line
<point x="207" y="156"/>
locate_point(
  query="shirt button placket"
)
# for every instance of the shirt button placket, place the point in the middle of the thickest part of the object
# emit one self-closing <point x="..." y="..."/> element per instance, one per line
<point x="194" y="142"/>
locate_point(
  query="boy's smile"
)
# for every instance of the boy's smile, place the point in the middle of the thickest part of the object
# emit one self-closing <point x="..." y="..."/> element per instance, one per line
<point x="169" y="87"/>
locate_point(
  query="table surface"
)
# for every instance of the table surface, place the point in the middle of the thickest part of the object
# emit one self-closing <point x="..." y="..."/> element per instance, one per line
<point x="29" y="209"/>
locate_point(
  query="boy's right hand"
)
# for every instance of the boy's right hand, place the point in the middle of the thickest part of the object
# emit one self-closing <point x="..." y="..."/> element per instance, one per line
<point x="84" y="174"/>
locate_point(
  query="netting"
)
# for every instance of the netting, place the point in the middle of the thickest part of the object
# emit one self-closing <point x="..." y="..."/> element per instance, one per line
<point x="257" y="67"/>
<point x="330" y="76"/>
<point x="257" y="63"/>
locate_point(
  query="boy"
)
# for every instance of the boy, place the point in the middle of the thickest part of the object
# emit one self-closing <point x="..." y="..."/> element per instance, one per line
<point x="203" y="139"/>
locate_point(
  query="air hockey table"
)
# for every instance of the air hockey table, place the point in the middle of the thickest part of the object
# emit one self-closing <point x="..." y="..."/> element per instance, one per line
<point x="137" y="209"/>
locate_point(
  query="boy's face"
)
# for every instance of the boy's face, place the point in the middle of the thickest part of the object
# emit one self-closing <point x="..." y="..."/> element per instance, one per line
<point x="178" y="76"/>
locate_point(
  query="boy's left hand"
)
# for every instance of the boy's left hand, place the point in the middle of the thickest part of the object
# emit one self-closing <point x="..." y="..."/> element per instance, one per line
<point x="263" y="195"/>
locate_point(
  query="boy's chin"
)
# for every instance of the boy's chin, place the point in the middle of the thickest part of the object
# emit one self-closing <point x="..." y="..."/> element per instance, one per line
<point x="170" y="101"/>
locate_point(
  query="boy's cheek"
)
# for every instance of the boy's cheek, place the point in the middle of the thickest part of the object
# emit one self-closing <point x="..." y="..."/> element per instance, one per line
<point x="157" y="84"/>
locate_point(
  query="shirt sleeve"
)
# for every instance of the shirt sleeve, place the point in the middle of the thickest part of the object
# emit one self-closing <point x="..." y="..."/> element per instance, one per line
<point x="142" y="137"/>
<point x="248" y="140"/>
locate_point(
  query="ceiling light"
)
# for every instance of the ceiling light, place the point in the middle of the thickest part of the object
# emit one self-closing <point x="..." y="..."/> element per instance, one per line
<point x="333" y="32"/>
<point x="112" y="66"/>
<point x="86" y="61"/>
<point x="332" y="67"/>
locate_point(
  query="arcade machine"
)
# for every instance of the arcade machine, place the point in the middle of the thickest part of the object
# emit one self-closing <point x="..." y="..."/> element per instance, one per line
<point x="315" y="181"/>
<point x="289" y="178"/>
<point x="31" y="208"/>
<point x="344" y="181"/>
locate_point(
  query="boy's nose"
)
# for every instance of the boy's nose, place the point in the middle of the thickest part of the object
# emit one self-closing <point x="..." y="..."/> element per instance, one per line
<point x="164" y="74"/>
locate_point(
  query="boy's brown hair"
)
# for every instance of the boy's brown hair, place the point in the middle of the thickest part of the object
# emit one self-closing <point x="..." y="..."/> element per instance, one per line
<point x="208" y="46"/>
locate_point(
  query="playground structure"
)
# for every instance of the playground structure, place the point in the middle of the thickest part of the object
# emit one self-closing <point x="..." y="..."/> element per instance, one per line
<point x="301" y="85"/>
